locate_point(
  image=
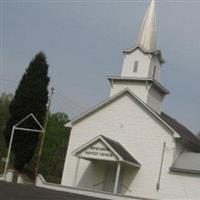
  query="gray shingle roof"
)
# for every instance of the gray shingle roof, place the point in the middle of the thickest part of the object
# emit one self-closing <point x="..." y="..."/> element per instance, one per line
<point x="126" y="156"/>
<point x="187" y="136"/>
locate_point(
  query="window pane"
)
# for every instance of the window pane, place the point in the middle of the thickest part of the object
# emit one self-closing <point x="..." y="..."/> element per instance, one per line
<point x="135" y="68"/>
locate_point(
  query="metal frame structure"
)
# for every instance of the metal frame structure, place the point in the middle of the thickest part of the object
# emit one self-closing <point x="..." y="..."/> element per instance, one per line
<point x="17" y="127"/>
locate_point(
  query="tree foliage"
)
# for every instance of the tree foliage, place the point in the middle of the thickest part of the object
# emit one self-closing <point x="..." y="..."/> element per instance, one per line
<point x="31" y="96"/>
<point x="55" y="147"/>
<point x="198" y="134"/>
<point x="5" y="100"/>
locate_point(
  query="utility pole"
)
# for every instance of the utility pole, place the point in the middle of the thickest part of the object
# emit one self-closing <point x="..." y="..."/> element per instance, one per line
<point x="37" y="168"/>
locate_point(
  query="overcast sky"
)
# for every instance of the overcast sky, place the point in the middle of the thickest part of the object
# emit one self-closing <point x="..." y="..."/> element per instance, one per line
<point x="83" y="42"/>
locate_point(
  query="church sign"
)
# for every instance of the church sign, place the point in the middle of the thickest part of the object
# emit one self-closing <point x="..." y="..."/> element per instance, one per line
<point x="97" y="150"/>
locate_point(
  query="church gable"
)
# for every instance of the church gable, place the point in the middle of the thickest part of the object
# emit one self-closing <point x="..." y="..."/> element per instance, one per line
<point x="112" y="100"/>
<point x="124" y="119"/>
<point x="96" y="149"/>
<point x="104" y="148"/>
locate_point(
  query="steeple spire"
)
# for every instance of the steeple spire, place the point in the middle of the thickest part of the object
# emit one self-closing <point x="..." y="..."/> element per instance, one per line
<point x="147" y="36"/>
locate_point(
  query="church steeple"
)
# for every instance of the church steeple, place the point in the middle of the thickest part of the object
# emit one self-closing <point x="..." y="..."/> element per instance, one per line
<point x="147" y="36"/>
<point x="144" y="60"/>
<point x="142" y="65"/>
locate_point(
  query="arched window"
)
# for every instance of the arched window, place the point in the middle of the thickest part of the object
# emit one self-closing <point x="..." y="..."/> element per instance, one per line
<point x="135" y="67"/>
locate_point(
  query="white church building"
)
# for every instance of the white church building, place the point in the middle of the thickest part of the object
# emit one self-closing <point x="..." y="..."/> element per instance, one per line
<point x="126" y="144"/>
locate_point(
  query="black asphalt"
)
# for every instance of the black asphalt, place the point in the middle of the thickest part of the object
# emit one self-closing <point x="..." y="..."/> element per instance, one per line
<point x="12" y="191"/>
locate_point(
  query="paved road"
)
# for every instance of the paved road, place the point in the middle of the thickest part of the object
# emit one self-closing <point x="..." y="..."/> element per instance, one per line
<point x="11" y="191"/>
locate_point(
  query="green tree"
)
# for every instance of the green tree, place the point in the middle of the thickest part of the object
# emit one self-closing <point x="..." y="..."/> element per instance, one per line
<point x="198" y="134"/>
<point x="31" y="96"/>
<point x="55" y="147"/>
<point x="5" y="100"/>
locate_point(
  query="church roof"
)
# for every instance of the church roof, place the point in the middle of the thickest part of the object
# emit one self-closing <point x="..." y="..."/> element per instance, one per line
<point x="184" y="132"/>
<point x="147" y="36"/>
<point x="126" y="156"/>
<point x="156" y="83"/>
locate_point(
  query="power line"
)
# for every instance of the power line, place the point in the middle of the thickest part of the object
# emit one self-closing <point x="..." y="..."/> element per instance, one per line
<point x="70" y="100"/>
<point x="66" y="100"/>
<point x="79" y="107"/>
<point x="12" y="83"/>
<point x="67" y="104"/>
<point x="8" y="80"/>
<point x="76" y="105"/>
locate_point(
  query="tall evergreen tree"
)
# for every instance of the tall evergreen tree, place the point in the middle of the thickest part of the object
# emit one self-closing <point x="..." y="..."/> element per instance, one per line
<point x="31" y="96"/>
<point x="5" y="100"/>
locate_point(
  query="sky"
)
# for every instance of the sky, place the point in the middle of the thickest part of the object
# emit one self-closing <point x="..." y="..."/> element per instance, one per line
<point x="83" y="42"/>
